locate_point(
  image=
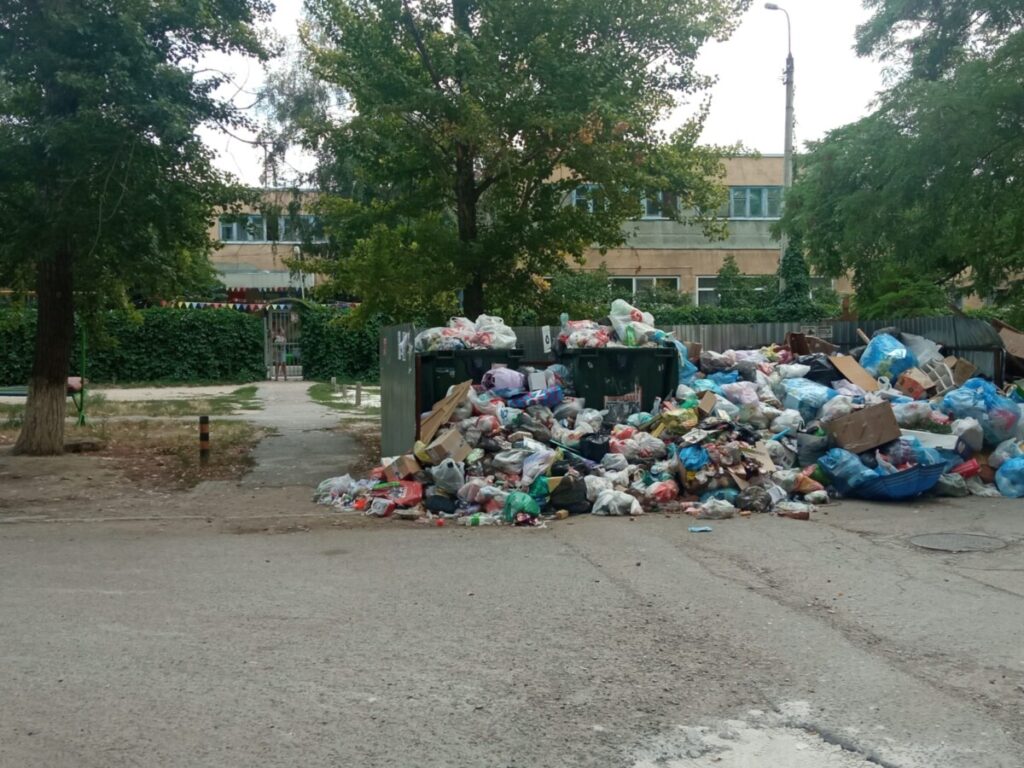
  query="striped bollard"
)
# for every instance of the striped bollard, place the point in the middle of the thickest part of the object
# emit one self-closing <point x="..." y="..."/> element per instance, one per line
<point x="204" y="440"/>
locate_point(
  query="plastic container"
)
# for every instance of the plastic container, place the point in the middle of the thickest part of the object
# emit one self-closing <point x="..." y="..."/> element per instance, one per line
<point x="440" y="370"/>
<point x="902" y="485"/>
<point x="616" y="371"/>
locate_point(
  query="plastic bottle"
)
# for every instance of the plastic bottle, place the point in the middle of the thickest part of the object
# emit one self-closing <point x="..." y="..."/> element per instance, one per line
<point x="476" y="519"/>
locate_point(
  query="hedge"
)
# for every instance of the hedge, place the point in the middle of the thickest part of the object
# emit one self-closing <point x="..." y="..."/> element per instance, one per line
<point x="158" y="344"/>
<point x="337" y="343"/>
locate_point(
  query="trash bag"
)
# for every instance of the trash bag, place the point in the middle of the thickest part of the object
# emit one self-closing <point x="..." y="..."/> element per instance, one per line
<point x="917" y="415"/>
<point x="886" y="356"/>
<point x="806" y="396"/>
<point x="537" y="464"/>
<point x="755" y="499"/>
<point x="979" y="399"/>
<point x="1010" y="478"/>
<point x="951" y="485"/>
<point x="970" y="431"/>
<point x="1006" y="450"/>
<point x="789" y="419"/>
<point x="614" y="503"/>
<point x="780" y="454"/>
<point x="504" y="378"/>
<point x="510" y="462"/>
<point x="821" y="371"/>
<point x="810" y="448"/>
<point x="978" y="488"/>
<point x="716" y="509"/>
<point x="492" y="332"/>
<point x="817" y="497"/>
<point x="794" y="371"/>
<point x="551" y="396"/>
<point x="614" y="462"/>
<point x="925" y="350"/>
<point x="594" y="447"/>
<point x="663" y="491"/>
<point x="571" y="495"/>
<point x="449" y="476"/>
<point x="517" y="504"/>
<point x="333" y="487"/>
<point x="570" y="408"/>
<point x="845" y="470"/>
<point x="650" y="447"/>
<point x="726" y="494"/>
<point x="740" y="392"/>
<point x="836" y="407"/>
<point x="595" y="485"/>
<point x="694" y="458"/>
<point x="633" y="327"/>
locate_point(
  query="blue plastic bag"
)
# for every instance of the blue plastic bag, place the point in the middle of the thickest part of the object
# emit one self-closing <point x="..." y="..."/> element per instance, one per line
<point x="1010" y="478"/>
<point x="806" y="396"/>
<point x="979" y="399"/>
<point x="707" y="385"/>
<point x="886" y="356"/>
<point x="687" y="370"/>
<point x="694" y="457"/>
<point x="845" y="470"/>
<point x="725" y="377"/>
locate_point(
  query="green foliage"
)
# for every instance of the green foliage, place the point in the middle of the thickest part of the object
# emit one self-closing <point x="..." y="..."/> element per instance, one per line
<point x="932" y="177"/>
<point x="339" y="343"/>
<point x="900" y="292"/>
<point x="739" y="291"/>
<point x="166" y="345"/>
<point x="469" y="125"/>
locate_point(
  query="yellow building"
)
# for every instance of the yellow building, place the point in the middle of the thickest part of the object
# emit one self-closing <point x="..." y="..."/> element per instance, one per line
<point x="664" y="253"/>
<point x="250" y="259"/>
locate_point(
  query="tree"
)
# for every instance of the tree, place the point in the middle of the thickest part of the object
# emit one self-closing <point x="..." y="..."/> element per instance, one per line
<point x="739" y="291"/>
<point x="929" y="184"/>
<point x="474" y="122"/>
<point x="105" y="189"/>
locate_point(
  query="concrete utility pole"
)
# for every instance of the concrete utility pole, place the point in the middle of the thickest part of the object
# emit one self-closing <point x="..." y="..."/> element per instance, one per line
<point x="788" y="161"/>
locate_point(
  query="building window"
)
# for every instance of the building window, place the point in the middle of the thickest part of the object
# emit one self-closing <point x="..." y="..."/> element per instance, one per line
<point x="635" y="285"/>
<point x="584" y="197"/>
<point x="755" y="202"/>
<point x="253" y="228"/>
<point x="663" y="206"/>
<point x="242" y="229"/>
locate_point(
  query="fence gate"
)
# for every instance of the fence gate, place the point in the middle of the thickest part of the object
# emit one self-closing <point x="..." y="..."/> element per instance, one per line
<point x="284" y="323"/>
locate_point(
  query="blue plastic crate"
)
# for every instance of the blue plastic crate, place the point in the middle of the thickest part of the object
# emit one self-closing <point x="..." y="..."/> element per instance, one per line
<point x="903" y="485"/>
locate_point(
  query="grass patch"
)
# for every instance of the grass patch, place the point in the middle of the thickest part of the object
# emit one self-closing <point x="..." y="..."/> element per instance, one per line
<point x="98" y="406"/>
<point x="324" y="394"/>
<point x="165" y="454"/>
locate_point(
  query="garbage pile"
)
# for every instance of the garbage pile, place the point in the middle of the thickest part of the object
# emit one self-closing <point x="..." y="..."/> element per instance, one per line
<point x="487" y="332"/>
<point x="781" y="430"/>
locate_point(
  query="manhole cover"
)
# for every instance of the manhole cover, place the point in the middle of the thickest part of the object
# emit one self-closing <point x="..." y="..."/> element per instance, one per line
<point x="958" y="542"/>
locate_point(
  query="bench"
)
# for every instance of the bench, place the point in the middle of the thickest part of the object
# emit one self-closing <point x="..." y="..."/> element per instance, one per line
<point x="75" y="390"/>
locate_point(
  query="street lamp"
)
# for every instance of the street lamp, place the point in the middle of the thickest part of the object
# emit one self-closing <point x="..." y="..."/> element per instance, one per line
<point x="788" y="161"/>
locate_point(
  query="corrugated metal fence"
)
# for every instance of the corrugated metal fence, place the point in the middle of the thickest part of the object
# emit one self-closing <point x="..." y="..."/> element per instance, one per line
<point x="971" y="339"/>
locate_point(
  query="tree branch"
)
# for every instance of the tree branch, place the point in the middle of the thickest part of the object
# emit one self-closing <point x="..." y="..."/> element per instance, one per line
<point x="421" y="48"/>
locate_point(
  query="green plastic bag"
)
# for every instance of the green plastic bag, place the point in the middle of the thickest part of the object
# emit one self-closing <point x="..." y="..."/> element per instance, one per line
<point x="519" y="502"/>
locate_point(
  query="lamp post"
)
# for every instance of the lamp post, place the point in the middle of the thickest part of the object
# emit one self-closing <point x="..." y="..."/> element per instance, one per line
<point x="788" y="161"/>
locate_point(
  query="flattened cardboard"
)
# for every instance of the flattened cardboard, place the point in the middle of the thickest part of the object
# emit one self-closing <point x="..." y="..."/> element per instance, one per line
<point x="706" y="404"/>
<point x="443" y="411"/>
<point x="865" y="429"/>
<point x="401" y="468"/>
<point x="693" y="350"/>
<point x="449" y="446"/>
<point x="1013" y="341"/>
<point x="854" y="372"/>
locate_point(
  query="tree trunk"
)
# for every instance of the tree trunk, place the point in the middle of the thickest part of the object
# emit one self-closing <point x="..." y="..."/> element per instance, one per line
<point x="42" y="434"/>
<point x="473" y="298"/>
<point x="466" y="198"/>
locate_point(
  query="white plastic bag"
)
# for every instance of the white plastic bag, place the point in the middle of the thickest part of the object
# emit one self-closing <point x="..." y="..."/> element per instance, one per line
<point x="492" y="333"/>
<point x="970" y="430"/>
<point x="614" y="462"/>
<point x="1005" y="451"/>
<point x="449" y="476"/>
<point x="614" y="503"/>
<point x="788" y="419"/>
<point x="595" y="485"/>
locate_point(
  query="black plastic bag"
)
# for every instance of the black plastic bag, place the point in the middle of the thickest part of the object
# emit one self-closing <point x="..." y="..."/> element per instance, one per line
<point x="594" y="447"/>
<point x="822" y="371"/>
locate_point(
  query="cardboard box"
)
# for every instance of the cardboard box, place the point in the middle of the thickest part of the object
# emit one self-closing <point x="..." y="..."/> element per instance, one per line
<point x="936" y="440"/>
<point x="449" y="446"/>
<point x="854" y="372"/>
<point x="693" y="350"/>
<point x="915" y="383"/>
<point x="865" y="429"/>
<point x="706" y="404"/>
<point x="962" y="369"/>
<point x="401" y="468"/>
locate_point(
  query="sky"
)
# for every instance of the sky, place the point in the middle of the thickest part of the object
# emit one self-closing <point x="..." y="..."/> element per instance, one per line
<point x="833" y="85"/>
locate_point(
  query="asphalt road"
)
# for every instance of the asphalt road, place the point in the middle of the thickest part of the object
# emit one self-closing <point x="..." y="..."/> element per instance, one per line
<point x="596" y="642"/>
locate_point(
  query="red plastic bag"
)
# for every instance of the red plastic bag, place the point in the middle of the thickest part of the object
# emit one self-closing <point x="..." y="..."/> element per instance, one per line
<point x="407" y="493"/>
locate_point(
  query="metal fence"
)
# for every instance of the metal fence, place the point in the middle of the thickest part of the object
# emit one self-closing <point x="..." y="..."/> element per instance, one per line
<point x="974" y="340"/>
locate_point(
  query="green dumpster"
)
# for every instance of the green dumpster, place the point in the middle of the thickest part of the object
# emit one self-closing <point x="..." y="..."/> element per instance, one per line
<point x="616" y="371"/>
<point x="437" y="371"/>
